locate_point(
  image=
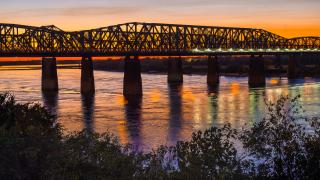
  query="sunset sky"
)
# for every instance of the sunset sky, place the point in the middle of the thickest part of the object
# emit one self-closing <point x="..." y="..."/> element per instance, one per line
<point x="286" y="17"/>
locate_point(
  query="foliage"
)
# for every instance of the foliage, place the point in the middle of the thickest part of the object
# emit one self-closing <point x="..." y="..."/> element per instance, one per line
<point x="280" y="143"/>
<point x="28" y="139"/>
<point x="312" y="148"/>
<point x="283" y="145"/>
<point x="209" y="154"/>
<point x="93" y="156"/>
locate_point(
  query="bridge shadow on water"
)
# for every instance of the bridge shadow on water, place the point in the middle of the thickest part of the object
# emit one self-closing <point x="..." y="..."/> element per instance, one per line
<point x="133" y="111"/>
<point x="88" y="103"/>
<point x="213" y="93"/>
<point x="50" y="102"/>
<point x="175" y="111"/>
<point x="302" y="81"/>
<point x="257" y="98"/>
<point x="133" y="115"/>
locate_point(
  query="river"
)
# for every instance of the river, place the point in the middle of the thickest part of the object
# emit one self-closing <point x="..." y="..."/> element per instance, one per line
<point x="165" y="114"/>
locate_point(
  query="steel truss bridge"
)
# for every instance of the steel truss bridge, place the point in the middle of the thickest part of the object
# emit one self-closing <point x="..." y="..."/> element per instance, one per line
<point x="147" y="39"/>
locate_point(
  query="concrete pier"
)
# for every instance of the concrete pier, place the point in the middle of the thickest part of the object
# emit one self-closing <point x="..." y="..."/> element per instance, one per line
<point x="49" y="80"/>
<point x="257" y="77"/>
<point x="132" y="82"/>
<point x="175" y="71"/>
<point x="213" y="71"/>
<point x="293" y="64"/>
<point x="87" y="76"/>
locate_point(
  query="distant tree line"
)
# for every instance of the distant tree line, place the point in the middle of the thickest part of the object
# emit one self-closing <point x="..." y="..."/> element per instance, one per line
<point x="283" y="145"/>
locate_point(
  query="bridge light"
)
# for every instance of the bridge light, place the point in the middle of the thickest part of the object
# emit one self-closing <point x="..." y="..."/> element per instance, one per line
<point x="241" y="50"/>
<point x="286" y="49"/>
<point x="196" y="50"/>
<point x="208" y="50"/>
<point x="315" y="49"/>
<point x="308" y="49"/>
<point x="219" y="49"/>
<point x="269" y="50"/>
<point x="301" y="49"/>
<point x="260" y="49"/>
<point x="278" y="49"/>
<point x="251" y="50"/>
<point x="230" y="49"/>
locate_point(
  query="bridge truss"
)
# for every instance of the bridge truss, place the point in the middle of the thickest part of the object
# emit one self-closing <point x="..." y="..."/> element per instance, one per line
<point x="141" y="39"/>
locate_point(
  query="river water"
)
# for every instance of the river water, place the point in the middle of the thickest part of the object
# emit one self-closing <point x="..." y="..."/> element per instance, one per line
<point x="165" y="114"/>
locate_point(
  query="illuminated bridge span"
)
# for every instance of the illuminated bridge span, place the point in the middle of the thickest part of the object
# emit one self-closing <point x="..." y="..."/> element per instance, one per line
<point x="147" y="39"/>
<point x="132" y="40"/>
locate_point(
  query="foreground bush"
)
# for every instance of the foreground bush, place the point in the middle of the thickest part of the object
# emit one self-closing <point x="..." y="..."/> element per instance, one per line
<point x="209" y="154"/>
<point x="283" y="145"/>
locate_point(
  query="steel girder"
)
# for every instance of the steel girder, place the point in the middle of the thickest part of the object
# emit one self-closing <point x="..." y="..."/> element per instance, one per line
<point x="304" y="43"/>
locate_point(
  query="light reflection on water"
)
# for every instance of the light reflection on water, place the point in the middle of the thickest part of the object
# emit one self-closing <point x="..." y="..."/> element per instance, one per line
<point x="166" y="113"/>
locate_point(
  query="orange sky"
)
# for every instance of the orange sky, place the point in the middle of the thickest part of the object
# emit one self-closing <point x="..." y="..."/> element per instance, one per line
<point x="288" y="18"/>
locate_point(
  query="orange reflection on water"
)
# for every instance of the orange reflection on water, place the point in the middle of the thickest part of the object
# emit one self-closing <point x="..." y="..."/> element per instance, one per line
<point x="274" y="81"/>
<point x="234" y="88"/>
<point x="232" y="104"/>
<point x="272" y="94"/>
<point x="121" y="100"/>
<point x="155" y="96"/>
<point x="187" y="94"/>
<point x="122" y="132"/>
<point x="197" y="114"/>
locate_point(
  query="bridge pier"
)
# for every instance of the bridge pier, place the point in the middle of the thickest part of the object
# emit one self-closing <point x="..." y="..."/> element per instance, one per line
<point x="87" y="76"/>
<point x="213" y="71"/>
<point x="175" y="72"/>
<point x="132" y="82"/>
<point x="257" y="77"/>
<point x="316" y="62"/>
<point x="293" y="63"/>
<point x="49" y="80"/>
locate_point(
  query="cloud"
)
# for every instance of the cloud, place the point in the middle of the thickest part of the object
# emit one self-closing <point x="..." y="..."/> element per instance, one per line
<point x="72" y="11"/>
<point x="239" y="3"/>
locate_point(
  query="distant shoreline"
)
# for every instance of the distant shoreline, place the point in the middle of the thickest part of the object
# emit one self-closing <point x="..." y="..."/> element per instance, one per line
<point x="236" y="67"/>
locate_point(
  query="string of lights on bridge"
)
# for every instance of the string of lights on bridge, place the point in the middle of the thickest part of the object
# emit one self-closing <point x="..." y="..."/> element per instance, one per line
<point x="231" y="50"/>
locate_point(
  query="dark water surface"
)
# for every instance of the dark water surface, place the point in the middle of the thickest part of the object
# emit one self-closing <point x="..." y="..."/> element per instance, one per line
<point x="165" y="114"/>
